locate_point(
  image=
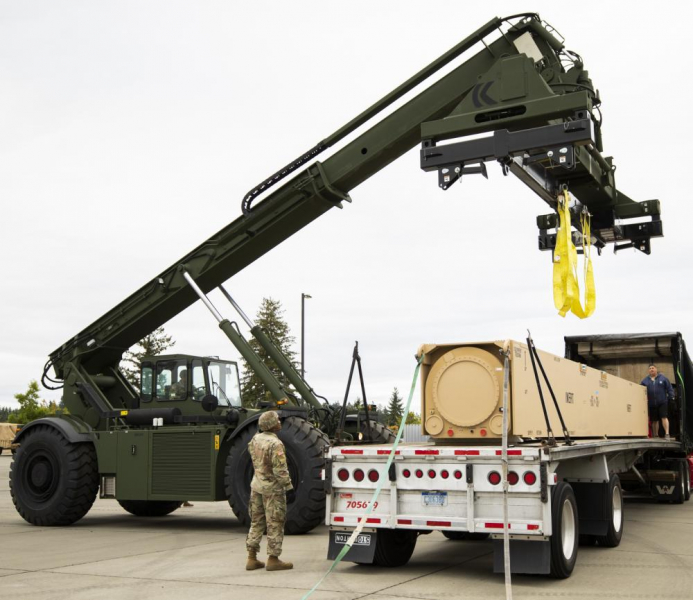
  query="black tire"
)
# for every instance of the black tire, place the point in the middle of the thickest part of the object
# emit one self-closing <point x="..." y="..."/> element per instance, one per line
<point x="305" y="504"/>
<point x="52" y="481"/>
<point x="394" y="547"/>
<point x="379" y="434"/>
<point x="687" y="474"/>
<point x="565" y="536"/>
<point x="150" y="508"/>
<point x="466" y="535"/>
<point x="614" y="508"/>
<point x="680" y="493"/>
<point x="1" y="449"/>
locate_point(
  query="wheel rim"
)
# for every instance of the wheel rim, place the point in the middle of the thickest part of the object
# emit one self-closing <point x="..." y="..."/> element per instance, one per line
<point x="568" y="529"/>
<point x="40" y="476"/>
<point x="617" y="508"/>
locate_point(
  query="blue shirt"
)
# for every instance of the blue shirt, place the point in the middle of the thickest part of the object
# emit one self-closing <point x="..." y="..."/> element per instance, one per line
<point x="659" y="390"/>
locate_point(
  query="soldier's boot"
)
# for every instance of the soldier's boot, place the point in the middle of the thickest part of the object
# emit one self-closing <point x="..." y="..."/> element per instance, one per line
<point x="274" y="564"/>
<point x="253" y="563"/>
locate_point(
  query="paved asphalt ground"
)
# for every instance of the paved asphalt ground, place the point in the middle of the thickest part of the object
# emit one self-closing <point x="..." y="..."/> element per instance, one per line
<point x="199" y="553"/>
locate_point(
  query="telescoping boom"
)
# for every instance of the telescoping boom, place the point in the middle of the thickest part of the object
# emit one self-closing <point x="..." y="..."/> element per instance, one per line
<point x="531" y="98"/>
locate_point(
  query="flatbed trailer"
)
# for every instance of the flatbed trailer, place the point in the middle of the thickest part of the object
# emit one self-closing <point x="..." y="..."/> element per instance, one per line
<point x="558" y="498"/>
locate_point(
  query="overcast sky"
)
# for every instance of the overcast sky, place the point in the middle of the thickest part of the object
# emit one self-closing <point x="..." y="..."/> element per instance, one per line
<point x="130" y="131"/>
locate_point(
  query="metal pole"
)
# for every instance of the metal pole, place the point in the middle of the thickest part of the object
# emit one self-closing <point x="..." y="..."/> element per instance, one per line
<point x="303" y="332"/>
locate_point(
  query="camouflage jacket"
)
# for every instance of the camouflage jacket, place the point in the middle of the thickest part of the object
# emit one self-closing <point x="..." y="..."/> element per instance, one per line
<point x="269" y="460"/>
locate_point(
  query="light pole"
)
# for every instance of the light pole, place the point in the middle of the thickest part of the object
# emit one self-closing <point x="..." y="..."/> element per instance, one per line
<point x="303" y="331"/>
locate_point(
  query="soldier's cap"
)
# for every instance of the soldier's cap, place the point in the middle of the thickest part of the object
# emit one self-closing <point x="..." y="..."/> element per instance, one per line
<point x="268" y="420"/>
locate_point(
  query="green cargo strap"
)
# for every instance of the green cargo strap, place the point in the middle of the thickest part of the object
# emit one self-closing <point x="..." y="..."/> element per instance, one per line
<point x="381" y="480"/>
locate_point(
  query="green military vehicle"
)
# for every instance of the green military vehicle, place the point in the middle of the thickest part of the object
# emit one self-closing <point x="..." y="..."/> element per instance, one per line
<point x="184" y="437"/>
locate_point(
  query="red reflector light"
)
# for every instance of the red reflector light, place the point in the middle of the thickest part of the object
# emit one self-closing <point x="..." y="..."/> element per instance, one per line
<point x="494" y="477"/>
<point x="343" y="474"/>
<point x="466" y="452"/>
<point x="427" y="452"/>
<point x="495" y="525"/>
<point x="372" y="520"/>
<point x="346" y="451"/>
<point x="404" y="522"/>
<point x="533" y="527"/>
<point x="513" y="478"/>
<point x="439" y="523"/>
<point x="458" y="474"/>
<point x="419" y="473"/>
<point x="510" y="452"/>
<point x="338" y="519"/>
<point x="373" y="475"/>
<point x="444" y="474"/>
<point x="451" y="432"/>
<point x="406" y="473"/>
<point x="530" y="478"/>
<point x="431" y="473"/>
<point x="358" y="475"/>
<point x="387" y="452"/>
<point x="482" y="432"/>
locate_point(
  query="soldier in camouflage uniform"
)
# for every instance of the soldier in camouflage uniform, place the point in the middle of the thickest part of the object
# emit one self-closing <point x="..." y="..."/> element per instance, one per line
<point x="268" y="494"/>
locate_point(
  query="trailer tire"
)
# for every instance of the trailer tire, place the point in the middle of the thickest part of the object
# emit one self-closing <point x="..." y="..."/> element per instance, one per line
<point x="565" y="536"/>
<point x="616" y="521"/>
<point x="466" y="535"/>
<point x="394" y="547"/>
<point x="53" y="481"/>
<point x="680" y="494"/>
<point x="379" y="434"/>
<point x="305" y="504"/>
<point x="687" y="476"/>
<point x="150" y="508"/>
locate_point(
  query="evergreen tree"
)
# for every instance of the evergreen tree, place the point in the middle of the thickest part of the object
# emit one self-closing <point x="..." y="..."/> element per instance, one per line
<point x="413" y="419"/>
<point x="5" y="414"/>
<point x="30" y="406"/>
<point x="395" y="408"/>
<point x="270" y="318"/>
<point x="157" y="342"/>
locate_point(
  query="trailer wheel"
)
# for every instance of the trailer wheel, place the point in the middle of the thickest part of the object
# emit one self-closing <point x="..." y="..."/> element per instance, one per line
<point x="150" y="508"/>
<point x="680" y="494"/>
<point x="379" y="434"/>
<point x="53" y="481"/>
<point x="687" y="477"/>
<point x="564" y="540"/>
<point x="466" y="535"/>
<point x="614" y="499"/>
<point x="305" y="504"/>
<point x="394" y="547"/>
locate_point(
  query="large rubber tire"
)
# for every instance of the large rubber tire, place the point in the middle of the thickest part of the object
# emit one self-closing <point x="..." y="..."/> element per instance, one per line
<point x="614" y="508"/>
<point x="466" y="535"/>
<point x="150" y="508"/>
<point x="680" y="493"/>
<point x="305" y="504"/>
<point x="53" y="481"/>
<point x="565" y="536"/>
<point x="379" y="434"/>
<point x="394" y="547"/>
<point x="687" y="473"/>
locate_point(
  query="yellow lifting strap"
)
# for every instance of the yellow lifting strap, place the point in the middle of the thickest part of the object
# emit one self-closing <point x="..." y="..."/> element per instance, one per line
<point x="566" y="290"/>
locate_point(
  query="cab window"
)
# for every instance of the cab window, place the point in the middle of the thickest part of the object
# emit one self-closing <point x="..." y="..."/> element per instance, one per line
<point x="223" y="379"/>
<point x="171" y="380"/>
<point x="146" y="380"/>
<point x="198" y="380"/>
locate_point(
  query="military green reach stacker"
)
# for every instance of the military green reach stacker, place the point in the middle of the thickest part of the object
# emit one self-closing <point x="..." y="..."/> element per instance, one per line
<point x="184" y="437"/>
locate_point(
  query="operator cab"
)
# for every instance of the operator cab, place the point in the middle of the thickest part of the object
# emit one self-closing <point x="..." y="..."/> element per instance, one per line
<point x="175" y="378"/>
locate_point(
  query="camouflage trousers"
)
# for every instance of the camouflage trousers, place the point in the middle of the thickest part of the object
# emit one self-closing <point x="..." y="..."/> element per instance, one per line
<point x="267" y="513"/>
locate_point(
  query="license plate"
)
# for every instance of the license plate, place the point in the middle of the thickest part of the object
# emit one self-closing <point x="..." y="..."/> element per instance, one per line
<point x="363" y="539"/>
<point x="434" y="498"/>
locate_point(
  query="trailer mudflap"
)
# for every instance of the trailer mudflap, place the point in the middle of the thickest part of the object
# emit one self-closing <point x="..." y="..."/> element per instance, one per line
<point x="526" y="556"/>
<point x="362" y="551"/>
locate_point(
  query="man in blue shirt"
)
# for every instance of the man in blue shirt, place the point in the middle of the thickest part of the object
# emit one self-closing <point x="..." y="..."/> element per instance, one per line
<point x="659" y="392"/>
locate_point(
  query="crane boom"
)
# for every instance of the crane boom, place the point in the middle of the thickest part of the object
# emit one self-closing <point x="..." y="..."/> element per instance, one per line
<point x="525" y="64"/>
